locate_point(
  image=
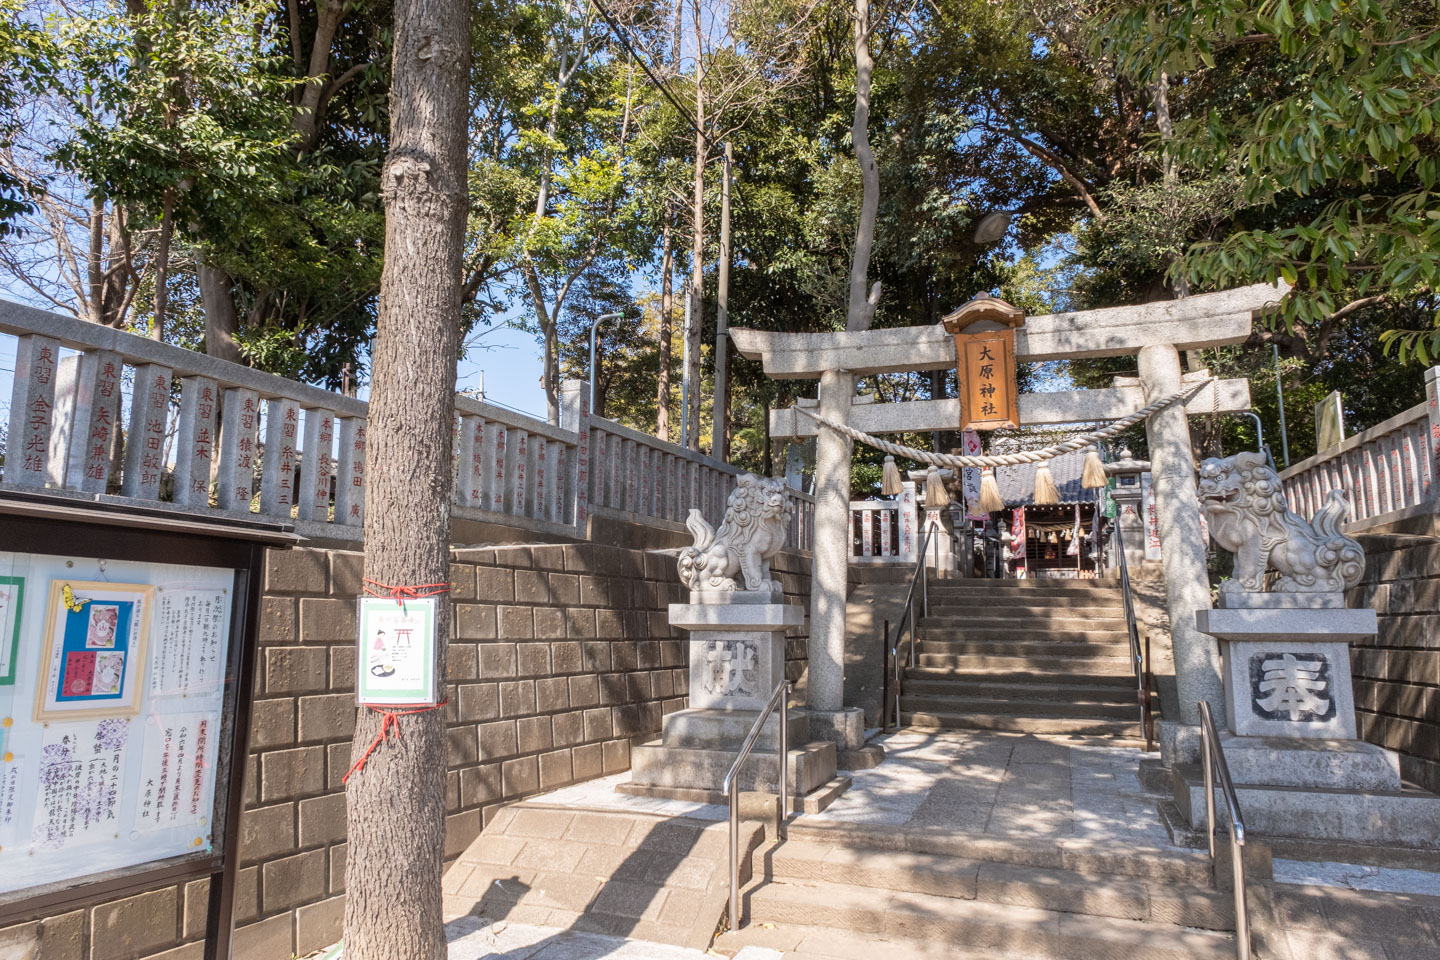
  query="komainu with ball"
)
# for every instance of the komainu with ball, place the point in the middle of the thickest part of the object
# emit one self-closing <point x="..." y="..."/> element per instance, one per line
<point x="1245" y="506"/>
<point x="757" y="516"/>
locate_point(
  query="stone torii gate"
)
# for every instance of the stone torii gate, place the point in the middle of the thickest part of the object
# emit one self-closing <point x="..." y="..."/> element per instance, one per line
<point x="1157" y="332"/>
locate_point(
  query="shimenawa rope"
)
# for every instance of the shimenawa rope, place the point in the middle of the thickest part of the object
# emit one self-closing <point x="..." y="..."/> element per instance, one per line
<point x="1006" y="459"/>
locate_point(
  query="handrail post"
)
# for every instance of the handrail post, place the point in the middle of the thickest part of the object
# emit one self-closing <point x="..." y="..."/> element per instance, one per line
<point x="1209" y="764"/>
<point x="780" y="825"/>
<point x="885" y="669"/>
<point x="734" y="856"/>
<point x="731" y="786"/>
<point x="1214" y="764"/>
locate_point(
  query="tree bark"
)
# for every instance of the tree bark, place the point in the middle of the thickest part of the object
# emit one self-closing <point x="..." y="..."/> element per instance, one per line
<point x="395" y="805"/>
<point x="667" y="330"/>
<point x="162" y="267"/>
<point x="222" y="322"/>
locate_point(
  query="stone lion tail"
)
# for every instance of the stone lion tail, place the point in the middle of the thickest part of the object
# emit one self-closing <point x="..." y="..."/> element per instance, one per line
<point x="1329" y="518"/>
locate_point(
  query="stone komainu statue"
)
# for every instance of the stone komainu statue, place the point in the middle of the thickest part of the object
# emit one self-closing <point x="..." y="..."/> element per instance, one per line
<point x="757" y="516"/>
<point x="1245" y="506"/>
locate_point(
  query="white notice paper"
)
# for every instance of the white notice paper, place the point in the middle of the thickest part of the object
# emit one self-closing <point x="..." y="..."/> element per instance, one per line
<point x="189" y="641"/>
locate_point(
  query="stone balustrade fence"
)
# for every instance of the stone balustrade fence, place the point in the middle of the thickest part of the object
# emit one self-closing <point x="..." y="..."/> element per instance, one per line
<point x="103" y="414"/>
<point x="1388" y="473"/>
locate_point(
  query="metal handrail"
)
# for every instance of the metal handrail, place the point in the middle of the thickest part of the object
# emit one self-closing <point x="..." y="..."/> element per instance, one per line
<point x="1214" y="759"/>
<point x="893" y="648"/>
<point x="1138" y="661"/>
<point x="731" y="784"/>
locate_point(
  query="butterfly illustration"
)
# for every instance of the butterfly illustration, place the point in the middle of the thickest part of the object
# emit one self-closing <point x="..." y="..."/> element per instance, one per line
<point x="71" y="602"/>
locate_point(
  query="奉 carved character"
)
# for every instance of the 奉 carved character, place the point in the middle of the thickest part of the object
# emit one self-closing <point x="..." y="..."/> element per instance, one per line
<point x="757" y="516"/>
<point x="1245" y="506"/>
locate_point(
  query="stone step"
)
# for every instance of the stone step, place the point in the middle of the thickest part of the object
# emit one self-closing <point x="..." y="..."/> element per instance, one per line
<point x="1011" y="592"/>
<point x="1059" y="618"/>
<point x="1020" y="723"/>
<point x="1075" y="854"/>
<point x="960" y="629"/>
<point x="1047" y="888"/>
<point x="1406" y="818"/>
<point x="1056" y="647"/>
<point x="1052" y="666"/>
<point x="1017" y="679"/>
<point x="922" y="684"/>
<point x="1079" y="709"/>
<point x="794" y="941"/>
<point x="1007" y="603"/>
<point x="654" y="764"/>
<point x="974" y="924"/>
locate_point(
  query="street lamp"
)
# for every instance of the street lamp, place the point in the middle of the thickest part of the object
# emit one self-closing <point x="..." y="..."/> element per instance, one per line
<point x="593" y="325"/>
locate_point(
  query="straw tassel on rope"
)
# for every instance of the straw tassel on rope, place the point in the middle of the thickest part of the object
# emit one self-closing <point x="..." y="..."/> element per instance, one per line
<point x="1045" y="489"/>
<point x="990" y="499"/>
<point x="936" y="495"/>
<point x="1093" y="477"/>
<point x="890" y="484"/>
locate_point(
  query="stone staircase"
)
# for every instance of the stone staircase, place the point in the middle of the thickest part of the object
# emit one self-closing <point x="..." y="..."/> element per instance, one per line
<point x="1027" y="656"/>
<point x="843" y="891"/>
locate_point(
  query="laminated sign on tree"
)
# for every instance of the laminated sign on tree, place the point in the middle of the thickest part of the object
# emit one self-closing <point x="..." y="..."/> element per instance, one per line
<point x="984" y="332"/>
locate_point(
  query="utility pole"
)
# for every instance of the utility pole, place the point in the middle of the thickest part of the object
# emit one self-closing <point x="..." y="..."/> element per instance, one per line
<point x="721" y="441"/>
<point x="685" y="384"/>
<point x="1280" y="393"/>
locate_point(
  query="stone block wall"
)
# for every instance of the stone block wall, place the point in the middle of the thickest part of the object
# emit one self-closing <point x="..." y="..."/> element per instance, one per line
<point x="1397" y="673"/>
<point x="561" y="658"/>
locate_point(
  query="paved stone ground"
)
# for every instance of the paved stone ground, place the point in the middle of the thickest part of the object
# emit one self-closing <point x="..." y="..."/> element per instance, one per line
<point x="1001" y="784"/>
<point x="472" y="938"/>
<point x="1013" y="785"/>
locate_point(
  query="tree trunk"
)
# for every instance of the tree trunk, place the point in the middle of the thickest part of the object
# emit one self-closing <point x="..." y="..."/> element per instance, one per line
<point x="667" y="332"/>
<point x="95" y="263"/>
<point x="395" y="805"/>
<point x="861" y="311"/>
<point x="222" y="322"/>
<point x="162" y="267"/>
<point x="697" y="250"/>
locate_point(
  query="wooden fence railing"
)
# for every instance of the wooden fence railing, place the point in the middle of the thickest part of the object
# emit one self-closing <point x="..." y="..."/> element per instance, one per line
<point x="1388" y="473"/>
<point x="99" y="413"/>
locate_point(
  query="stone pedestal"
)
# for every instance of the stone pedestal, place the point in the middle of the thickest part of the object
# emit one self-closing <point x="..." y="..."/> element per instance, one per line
<point x="1291" y="746"/>
<point x="737" y="658"/>
<point x="1287" y="671"/>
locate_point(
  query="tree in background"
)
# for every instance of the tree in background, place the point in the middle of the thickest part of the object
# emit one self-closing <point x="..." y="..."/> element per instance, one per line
<point x="1324" y="116"/>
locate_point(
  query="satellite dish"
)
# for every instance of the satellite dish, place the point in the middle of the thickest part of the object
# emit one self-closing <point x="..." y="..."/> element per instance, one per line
<point x="993" y="226"/>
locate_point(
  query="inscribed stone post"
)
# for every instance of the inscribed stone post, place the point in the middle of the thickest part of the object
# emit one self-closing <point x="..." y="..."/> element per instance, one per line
<point x="350" y="480"/>
<point x="239" y="435"/>
<point x="32" y="403"/>
<point x="282" y="434"/>
<point x="97" y="417"/>
<point x="145" y="445"/>
<point x="195" y="438"/>
<point x="469" y="476"/>
<point x="319" y="465"/>
<point x="540" y="461"/>
<point x="63" y="425"/>
<point x="495" y="454"/>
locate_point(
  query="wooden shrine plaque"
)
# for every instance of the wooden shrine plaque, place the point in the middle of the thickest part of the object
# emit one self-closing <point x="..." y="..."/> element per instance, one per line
<point x="987" y="371"/>
<point x="984" y="332"/>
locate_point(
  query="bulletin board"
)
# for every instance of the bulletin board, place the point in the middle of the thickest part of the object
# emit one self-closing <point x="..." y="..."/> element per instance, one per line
<point x="110" y="713"/>
<point x="126" y="675"/>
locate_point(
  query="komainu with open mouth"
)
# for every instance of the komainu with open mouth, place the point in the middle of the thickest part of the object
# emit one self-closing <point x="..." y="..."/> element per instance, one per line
<point x="1245" y="506"/>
